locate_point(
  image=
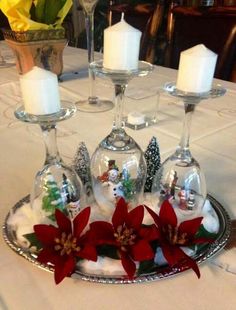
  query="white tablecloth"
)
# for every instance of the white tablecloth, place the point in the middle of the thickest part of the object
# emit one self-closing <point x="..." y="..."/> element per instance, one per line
<point x="213" y="143"/>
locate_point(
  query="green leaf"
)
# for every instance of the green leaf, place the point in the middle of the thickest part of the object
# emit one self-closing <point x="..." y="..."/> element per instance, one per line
<point x="108" y="250"/>
<point x="32" y="12"/>
<point x="52" y="7"/>
<point x="40" y="11"/>
<point x="147" y="266"/>
<point x="46" y="11"/>
<point x="202" y="232"/>
<point x="33" y="240"/>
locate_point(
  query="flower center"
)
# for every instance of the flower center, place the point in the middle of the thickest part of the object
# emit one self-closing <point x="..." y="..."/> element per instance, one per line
<point x="125" y="236"/>
<point x="174" y="236"/>
<point x="66" y="244"/>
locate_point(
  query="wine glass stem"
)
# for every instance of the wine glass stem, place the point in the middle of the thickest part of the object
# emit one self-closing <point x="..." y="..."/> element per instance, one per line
<point x="119" y="105"/>
<point x="49" y="135"/>
<point x="184" y="141"/>
<point x="89" y="25"/>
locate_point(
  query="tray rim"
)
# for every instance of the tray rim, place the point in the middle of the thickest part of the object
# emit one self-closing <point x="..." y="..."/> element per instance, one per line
<point x="162" y="273"/>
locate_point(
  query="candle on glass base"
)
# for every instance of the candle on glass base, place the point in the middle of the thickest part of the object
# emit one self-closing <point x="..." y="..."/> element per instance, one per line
<point x="121" y="46"/>
<point x="196" y="69"/>
<point x="40" y="92"/>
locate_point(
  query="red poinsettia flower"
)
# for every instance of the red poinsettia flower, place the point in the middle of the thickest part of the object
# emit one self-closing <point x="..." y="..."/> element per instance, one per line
<point x="63" y="244"/>
<point x="173" y="237"/>
<point x="127" y="234"/>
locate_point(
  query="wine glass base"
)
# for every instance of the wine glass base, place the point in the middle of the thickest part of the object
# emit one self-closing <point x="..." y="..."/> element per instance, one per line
<point x="216" y="91"/>
<point x="67" y="110"/>
<point x="94" y="106"/>
<point x="121" y="76"/>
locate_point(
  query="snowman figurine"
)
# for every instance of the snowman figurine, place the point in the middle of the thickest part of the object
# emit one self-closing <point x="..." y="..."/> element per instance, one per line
<point x="112" y="186"/>
<point x="74" y="209"/>
<point x="113" y="176"/>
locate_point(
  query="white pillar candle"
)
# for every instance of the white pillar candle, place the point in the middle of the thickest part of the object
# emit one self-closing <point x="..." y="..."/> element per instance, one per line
<point x="121" y="46"/>
<point x="196" y="69"/>
<point x="40" y="92"/>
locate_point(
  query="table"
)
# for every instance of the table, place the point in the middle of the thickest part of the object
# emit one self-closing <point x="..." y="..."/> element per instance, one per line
<point x="213" y="143"/>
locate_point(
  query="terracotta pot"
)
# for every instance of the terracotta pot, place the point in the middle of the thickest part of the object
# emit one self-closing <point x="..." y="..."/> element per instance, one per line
<point x="42" y="48"/>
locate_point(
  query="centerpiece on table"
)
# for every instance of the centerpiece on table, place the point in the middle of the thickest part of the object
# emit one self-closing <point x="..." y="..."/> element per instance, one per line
<point x="117" y="240"/>
<point x="37" y="36"/>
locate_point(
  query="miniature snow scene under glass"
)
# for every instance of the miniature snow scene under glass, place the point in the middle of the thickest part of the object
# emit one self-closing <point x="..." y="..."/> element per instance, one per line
<point x="121" y="176"/>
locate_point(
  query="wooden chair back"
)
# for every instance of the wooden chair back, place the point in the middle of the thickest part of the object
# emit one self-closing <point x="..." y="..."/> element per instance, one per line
<point x="215" y="27"/>
<point x="145" y="17"/>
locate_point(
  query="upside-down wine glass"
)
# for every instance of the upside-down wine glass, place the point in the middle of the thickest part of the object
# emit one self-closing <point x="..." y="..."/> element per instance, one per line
<point x="118" y="166"/>
<point x="56" y="185"/>
<point x="180" y="178"/>
<point x="92" y="103"/>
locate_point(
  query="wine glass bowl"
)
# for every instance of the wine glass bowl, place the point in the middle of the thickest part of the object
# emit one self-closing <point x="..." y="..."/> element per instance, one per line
<point x="57" y="186"/>
<point x="88" y="5"/>
<point x="181" y="181"/>
<point x="118" y="169"/>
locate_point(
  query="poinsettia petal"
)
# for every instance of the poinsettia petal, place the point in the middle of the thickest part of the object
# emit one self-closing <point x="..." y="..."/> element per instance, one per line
<point x="142" y="251"/>
<point x="135" y="217"/>
<point x="46" y="233"/>
<point x="63" y="221"/>
<point x="64" y="268"/>
<point x="154" y="216"/>
<point x="128" y="265"/>
<point x="101" y="233"/>
<point x="176" y="256"/>
<point x="88" y="252"/>
<point x="171" y="254"/>
<point x="120" y="213"/>
<point x="188" y="261"/>
<point x="149" y="233"/>
<point x="192" y="264"/>
<point x="47" y="256"/>
<point x="190" y="227"/>
<point x="80" y="221"/>
<point x="167" y="214"/>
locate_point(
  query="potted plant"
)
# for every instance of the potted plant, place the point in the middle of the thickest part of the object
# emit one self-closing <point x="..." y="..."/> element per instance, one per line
<point x="37" y="36"/>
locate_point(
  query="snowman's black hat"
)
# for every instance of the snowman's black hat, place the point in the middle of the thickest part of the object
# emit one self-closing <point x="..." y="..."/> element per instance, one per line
<point x="112" y="165"/>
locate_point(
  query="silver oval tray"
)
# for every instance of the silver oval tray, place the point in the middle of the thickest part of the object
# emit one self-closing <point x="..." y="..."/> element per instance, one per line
<point x="160" y="273"/>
